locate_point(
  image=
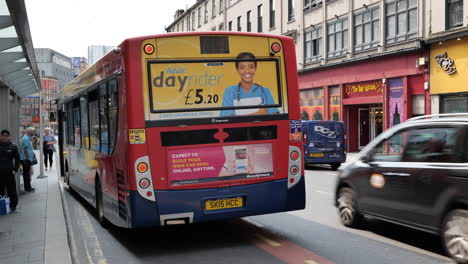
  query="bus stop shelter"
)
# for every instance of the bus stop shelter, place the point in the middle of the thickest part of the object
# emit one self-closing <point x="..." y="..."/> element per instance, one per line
<point x="19" y="75"/>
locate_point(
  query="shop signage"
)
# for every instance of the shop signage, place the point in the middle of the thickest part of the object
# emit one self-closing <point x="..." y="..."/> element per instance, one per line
<point x="445" y="63"/>
<point x="372" y="88"/>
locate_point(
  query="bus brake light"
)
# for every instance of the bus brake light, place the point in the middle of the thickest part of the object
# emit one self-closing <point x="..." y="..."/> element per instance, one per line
<point x="144" y="183"/>
<point x="142" y="167"/>
<point x="149" y="49"/>
<point x="275" y="47"/>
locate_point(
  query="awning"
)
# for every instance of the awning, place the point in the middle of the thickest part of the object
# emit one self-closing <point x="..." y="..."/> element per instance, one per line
<point x="18" y="67"/>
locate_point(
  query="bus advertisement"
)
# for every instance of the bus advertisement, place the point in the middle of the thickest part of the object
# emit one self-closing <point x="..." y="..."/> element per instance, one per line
<point x="184" y="128"/>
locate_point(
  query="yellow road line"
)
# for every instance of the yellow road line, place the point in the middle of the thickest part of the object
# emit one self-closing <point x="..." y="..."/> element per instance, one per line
<point x="269" y="241"/>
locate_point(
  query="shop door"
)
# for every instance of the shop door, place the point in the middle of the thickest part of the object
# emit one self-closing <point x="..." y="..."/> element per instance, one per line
<point x="376" y="122"/>
<point x="363" y="127"/>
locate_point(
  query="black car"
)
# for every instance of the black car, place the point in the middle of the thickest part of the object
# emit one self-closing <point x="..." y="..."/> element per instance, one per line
<point x="414" y="174"/>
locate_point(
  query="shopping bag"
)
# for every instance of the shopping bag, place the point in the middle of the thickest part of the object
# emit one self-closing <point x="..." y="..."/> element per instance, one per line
<point x="4" y="205"/>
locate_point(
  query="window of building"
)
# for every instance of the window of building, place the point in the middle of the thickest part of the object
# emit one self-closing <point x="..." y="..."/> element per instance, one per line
<point x="249" y="22"/>
<point x="454" y="13"/>
<point x="366" y="29"/>
<point x="313" y="44"/>
<point x="188" y="23"/>
<point x="199" y="17"/>
<point x="401" y="20"/>
<point x="230" y="25"/>
<point x="272" y="13"/>
<point x="193" y="21"/>
<point x="213" y="8"/>
<point x="206" y="12"/>
<point x="239" y="20"/>
<point x="454" y="104"/>
<point x="337" y="38"/>
<point x="213" y="28"/>
<point x="221" y="27"/>
<point x="259" y="18"/>
<point x="221" y="6"/>
<point x="290" y="10"/>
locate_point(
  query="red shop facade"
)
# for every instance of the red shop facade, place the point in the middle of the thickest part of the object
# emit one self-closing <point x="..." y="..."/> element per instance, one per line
<point x="369" y="96"/>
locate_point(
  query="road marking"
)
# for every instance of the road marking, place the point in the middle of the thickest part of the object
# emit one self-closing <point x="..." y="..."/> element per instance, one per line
<point x="269" y="241"/>
<point x="310" y="262"/>
<point x="253" y="222"/>
<point x="90" y="240"/>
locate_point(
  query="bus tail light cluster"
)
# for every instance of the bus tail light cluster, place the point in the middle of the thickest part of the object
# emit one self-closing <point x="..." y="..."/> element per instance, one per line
<point x="295" y="165"/>
<point x="143" y="178"/>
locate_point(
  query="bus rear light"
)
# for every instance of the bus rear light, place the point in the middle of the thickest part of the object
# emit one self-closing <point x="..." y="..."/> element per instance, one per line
<point x="294" y="155"/>
<point x="144" y="183"/>
<point x="275" y="47"/>
<point x="295" y="165"/>
<point x="148" y="49"/>
<point x="142" y="167"/>
<point x="143" y="178"/>
<point x="294" y="170"/>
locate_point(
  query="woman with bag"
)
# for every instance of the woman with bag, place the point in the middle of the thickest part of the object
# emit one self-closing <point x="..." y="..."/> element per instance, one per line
<point x="27" y="157"/>
<point x="48" y="141"/>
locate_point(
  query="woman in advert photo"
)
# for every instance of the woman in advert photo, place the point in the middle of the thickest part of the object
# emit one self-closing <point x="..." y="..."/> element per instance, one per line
<point x="246" y="92"/>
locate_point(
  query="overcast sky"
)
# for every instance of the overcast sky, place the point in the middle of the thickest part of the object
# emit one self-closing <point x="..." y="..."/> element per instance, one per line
<point x="70" y="26"/>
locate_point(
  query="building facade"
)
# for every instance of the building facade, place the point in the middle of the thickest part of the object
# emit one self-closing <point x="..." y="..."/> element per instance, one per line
<point x="56" y="71"/>
<point x="369" y="63"/>
<point x="79" y="64"/>
<point x="95" y="52"/>
<point x="447" y="36"/>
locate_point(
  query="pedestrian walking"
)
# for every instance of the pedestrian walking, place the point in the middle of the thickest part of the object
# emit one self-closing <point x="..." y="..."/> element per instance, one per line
<point x="27" y="157"/>
<point x="48" y="142"/>
<point x="9" y="164"/>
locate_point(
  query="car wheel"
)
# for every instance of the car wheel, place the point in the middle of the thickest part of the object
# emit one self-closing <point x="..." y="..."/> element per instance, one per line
<point x="99" y="206"/>
<point x="335" y="166"/>
<point x="349" y="215"/>
<point x="455" y="235"/>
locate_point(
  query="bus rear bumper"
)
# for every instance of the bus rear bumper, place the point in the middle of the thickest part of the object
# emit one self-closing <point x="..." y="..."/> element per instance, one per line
<point x="189" y="206"/>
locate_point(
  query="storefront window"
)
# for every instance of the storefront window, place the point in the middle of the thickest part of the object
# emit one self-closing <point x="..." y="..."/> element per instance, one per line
<point x="454" y="104"/>
<point x="335" y="100"/>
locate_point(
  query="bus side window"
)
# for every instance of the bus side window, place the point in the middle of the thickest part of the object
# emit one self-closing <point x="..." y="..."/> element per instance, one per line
<point x="93" y="111"/>
<point x="113" y="113"/>
<point x="84" y="122"/>
<point x="104" y="118"/>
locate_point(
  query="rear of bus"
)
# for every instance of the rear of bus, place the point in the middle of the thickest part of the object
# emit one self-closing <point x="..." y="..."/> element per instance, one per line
<point x="199" y="148"/>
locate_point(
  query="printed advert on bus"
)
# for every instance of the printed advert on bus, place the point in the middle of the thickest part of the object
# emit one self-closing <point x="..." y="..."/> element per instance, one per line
<point x="215" y="88"/>
<point x="211" y="164"/>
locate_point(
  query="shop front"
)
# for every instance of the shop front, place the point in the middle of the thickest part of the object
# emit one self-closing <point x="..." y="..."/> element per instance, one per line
<point x="369" y="96"/>
<point x="449" y="77"/>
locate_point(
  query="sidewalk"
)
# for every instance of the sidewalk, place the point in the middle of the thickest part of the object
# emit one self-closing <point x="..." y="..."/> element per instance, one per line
<point x="37" y="233"/>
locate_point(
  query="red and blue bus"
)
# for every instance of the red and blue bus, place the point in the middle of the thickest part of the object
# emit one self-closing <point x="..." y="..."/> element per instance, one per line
<point x="184" y="128"/>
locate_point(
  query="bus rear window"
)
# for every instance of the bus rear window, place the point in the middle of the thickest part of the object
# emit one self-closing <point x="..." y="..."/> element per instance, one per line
<point x="214" y="88"/>
<point x="214" y="45"/>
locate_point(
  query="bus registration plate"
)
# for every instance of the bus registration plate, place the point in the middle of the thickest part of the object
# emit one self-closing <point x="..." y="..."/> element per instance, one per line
<point x="317" y="155"/>
<point x="224" y="203"/>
